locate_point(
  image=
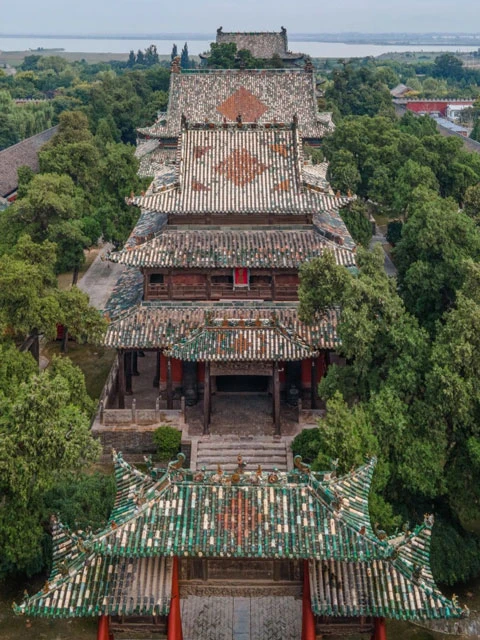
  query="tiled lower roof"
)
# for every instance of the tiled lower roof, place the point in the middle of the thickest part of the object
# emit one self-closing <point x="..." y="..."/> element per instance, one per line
<point x="210" y="249"/>
<point x="24" y="153"/>
<point x="126" y="294"/>
<point x="102" y="584"/>
<point x="377" y="588"/>
<point x="241" y="341"/>
<point x="161" y="325"/>
<point x="316" y="175"/>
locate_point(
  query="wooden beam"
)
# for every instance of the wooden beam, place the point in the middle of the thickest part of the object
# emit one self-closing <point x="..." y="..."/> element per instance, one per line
<point x="276" y="398"/>
<point x="169" y="384"/>
<point x="121" y="379"/>
<point x="207" y="399"/>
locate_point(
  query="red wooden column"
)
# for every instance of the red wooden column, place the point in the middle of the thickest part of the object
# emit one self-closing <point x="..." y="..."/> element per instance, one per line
<point x="380" y="629"/>
<point x="103" y="631"/>
<point x="169" y="384"/>
<point x="313" y="385"/>
<point x="308" y="619"/>
<point x="174" y="630"/>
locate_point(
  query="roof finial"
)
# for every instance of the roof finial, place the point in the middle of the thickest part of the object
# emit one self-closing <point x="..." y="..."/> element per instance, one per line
<point x="175" y="66"/>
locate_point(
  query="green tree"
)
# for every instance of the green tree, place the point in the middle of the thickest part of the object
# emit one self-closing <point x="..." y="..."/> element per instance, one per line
<point x="432" y="256"/>
<point x="355" y="215"/>
<point x="472" y="203"/>
<point x="184" y="59"/>
<point x="343" y="173"/>
<point x="222" y="56"/>
<point x="45" y="439"/>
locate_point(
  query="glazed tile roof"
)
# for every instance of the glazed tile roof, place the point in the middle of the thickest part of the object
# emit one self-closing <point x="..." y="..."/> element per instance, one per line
<point x="239" y="170"/>
<point x="157" y="161"/>
<point x="162" y="325"/>
<point x="91" y="584"/>
<point x="263" y="95"/>
<point x="316" y="175"/>
<point x="241" y="341"/>
<point x="210" y="249"/>
<point x="125" y="567"/>
<point x="377" y="588"/>
<point x="263" y="44"/>
<point x="127" y="293"/>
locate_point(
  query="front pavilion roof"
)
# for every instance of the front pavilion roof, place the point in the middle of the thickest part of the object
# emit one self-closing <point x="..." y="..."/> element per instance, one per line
<point x="258" y="515"/>
<point x="174" y="325"/>
<point x="242" y="341"/>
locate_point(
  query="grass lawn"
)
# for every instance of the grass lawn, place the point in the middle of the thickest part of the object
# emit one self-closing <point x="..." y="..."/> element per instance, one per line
<point x="94" y="361"/>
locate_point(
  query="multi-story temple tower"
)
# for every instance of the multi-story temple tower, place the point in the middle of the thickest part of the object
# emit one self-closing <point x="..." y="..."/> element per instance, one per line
<point x="224" y="228"/>
<point x="210" y="296"/>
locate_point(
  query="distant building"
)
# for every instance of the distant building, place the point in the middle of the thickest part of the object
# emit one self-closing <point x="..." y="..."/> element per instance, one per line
<point x="432" y="107"/>
<point x="451" y="126"/>
<point x="453" y="111"/>
<point x="261" y="44"/>
<point x="400" y="90"/>
<point x="24" y="153"/>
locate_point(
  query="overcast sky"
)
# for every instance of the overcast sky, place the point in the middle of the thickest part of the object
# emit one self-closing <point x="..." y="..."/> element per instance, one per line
<point x="204" y="16"/>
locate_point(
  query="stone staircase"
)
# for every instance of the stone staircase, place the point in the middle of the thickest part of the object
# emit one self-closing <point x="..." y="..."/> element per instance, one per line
<point x="269" y="452"/>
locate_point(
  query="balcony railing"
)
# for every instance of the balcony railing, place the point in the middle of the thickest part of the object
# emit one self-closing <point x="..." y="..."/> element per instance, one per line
<point x="219" y="291"/>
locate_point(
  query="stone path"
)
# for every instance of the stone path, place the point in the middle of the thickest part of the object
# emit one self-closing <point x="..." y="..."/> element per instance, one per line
<point x="100" y="279"/>
<point x="227" y="618"/>
<point x="390" y="268"/>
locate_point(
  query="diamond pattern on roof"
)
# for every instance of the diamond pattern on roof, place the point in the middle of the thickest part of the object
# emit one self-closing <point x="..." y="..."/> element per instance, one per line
<point x="282" y="186"/>
<point x="242" y="103"/>
<point x="241" y="168"/>
<point x="199" y="151"/>
<point x="282" y="149"/>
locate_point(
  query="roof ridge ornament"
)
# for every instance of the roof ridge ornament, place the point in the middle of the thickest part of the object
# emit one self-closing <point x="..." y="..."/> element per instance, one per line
<point x="175" y="465"/>
<point x="301" y="466"/>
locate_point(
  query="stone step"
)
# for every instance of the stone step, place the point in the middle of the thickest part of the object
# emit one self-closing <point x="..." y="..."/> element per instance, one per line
<point x="250" y="460"/>
<point x="227" y="445"/>
<point x="268" y="454"/>
<point x="242" y="448"/>
<point x="233" y="466"/>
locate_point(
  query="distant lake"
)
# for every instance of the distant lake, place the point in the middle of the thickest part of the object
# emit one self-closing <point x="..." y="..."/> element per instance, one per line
<point x="164" y="46"/>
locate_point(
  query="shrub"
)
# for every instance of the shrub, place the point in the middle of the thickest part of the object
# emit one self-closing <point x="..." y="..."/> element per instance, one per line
<point x="307" y="444"/>
<point x="167" y="440"/>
